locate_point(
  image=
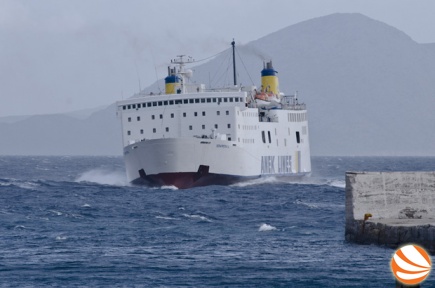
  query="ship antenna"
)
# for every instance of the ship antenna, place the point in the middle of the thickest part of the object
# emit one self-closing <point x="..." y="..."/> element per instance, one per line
<point x="234" y="62"/>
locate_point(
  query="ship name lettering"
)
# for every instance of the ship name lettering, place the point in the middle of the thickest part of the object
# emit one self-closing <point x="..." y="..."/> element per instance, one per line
<point x="267" y="164"/>
<point x="284" y="164"/>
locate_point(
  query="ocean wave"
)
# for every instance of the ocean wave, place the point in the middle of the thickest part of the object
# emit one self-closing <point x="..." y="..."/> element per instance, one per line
<point x="197" y="217"/>
<point x="258" y="181"/>
<point x="104" y="177"/>
<point x="266" y="227"/>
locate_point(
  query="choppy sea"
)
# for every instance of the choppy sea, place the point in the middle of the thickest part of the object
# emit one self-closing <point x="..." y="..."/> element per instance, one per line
<point x="76" y="222"/>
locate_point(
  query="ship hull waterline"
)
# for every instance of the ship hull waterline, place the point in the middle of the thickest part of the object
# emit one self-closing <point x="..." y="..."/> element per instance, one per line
<point x="186" y="163"/>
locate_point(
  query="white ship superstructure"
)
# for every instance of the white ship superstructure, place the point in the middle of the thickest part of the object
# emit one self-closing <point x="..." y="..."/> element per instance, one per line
<point x="192" y="137"/>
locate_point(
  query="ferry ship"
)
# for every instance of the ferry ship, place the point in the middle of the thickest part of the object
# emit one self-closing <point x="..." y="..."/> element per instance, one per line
<point x="192" y="136"/>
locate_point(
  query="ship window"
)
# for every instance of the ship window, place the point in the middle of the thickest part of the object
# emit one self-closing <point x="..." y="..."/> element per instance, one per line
<point x="203" y="113"/>
<point x="129" y="119"/>
<point x="129" y="106"/>
<point x="227" y="112"/>
<point x="216" y="126"/>
<point x="196" y="114"/>
<point x="190" y="127"/>
<point x="214" y="100"/>
<point x="141" y="131"/>
<point x="154" y="130"/>
<point x="231" y="99"/>
<point x="229" y="125"/>
<point x="241" y="99"/>
<point x="197" y="100"/>
<point x="270" y="138"/>
<point x="172" y="115"/>
<point x="203" y="127"/>
<point x="285" y="141"/>
<point x="229" y="138"/>
<point x="149" y="104"/>
<point x="191" y="100"/>
<point x="208" y="100"/>
<point x="161" y="116"/>
<point x="138" y="118"/>
<point x="218" y="113"/>
<point x="144" y="105"/>
<point x="202" y="100"/>
<point x="184" y="114"/>
<point x="178" y="101"/>
<point x="128" y="132"/>
<point x="298" y="137"/>
<point x="124" y="107"/>
<point x="153" y="117"/>
<point x="275" y="131"/>
<point x="263" y="136"/>
<point x="160" y="103"/>
<point x="289" y="131"/>
<point x="225" y="99"/>
<point x="134" y="106"/>
<point x="236" y="99"/>
<point x="186" y="101"/>
<point x="167" y="129"/>
<point x="165" y="102"/>
<point x="154" y="103"/>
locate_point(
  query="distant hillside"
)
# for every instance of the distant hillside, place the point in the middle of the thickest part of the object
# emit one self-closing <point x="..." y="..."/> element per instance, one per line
<point x="99" y="134"/>
<point x="369" y="88"/>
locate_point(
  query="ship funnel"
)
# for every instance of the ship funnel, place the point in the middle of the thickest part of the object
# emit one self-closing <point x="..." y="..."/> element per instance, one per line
<point x="269" y="80"/>
<point x="172" y="82"/>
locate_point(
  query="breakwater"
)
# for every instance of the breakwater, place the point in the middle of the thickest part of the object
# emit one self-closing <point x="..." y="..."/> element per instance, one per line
<point x="391" y="208"/>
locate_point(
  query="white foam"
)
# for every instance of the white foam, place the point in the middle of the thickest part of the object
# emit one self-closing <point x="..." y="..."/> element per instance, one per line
<point x="169" y="187"/>
<point x="338" y="183"/>
<point x="61" y="238"/>
<point x="195" y="216"/>
<point x="258" y="181"/>
<point x="266" y="227"/>
<point x="86" y="205"/>
<point x="104" y="176"/>
<point x="166" y="218"/>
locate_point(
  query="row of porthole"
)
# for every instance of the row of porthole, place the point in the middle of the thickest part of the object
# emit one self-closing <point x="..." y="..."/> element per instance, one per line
<point x="172" y="115"/>
<point x="216" y="126"/>
<point x="182" y="101"/>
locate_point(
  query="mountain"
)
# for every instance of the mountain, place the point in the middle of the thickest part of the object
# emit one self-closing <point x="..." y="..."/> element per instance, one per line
<point x="98" y="134"/>
<point x="368" y="87"/>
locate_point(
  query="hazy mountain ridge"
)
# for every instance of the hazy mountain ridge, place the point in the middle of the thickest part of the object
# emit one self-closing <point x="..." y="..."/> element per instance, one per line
<point x="368" y="86"/>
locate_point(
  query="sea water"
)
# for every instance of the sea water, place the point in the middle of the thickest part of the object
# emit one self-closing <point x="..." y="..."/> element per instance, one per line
<point x="76" y="222"/>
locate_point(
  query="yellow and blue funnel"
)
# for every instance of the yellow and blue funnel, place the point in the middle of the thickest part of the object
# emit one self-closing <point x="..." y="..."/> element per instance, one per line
<point x="269" y="80"/>
<point x="172" y="82"/>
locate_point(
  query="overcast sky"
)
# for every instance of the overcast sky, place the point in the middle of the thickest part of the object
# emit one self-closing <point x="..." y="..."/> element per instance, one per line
<point x="58" y="56"/>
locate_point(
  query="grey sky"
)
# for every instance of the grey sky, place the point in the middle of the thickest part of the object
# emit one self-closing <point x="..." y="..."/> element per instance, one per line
<point x="58" y="56"/>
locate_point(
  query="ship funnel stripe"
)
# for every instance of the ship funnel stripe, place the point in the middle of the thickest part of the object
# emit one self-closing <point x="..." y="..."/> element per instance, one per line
<point x="268" y="72"/>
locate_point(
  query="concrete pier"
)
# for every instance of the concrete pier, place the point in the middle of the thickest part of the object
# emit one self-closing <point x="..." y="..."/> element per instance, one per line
<point x="391" y="208"/>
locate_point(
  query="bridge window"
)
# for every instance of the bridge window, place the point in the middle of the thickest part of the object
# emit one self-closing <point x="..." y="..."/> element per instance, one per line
<point x="124" y="107"/>
<point x="171" y="102"/>
<point x="231" y="99"/>
<point x="214" y="100"/>
<point x="185" y="101"/>
<point x="197" y="100"/>
<point x="154" y="103"/>
<point x="191" y="101"/>
<point x="134" y="106"/>
<point x="149" y="104"/>
<point x="144" y="105"/>
<point x="208" y="100"/>
<point x="165" y="103"/>
<point x="202" y="100"/>
<point x="160" y="103"/>
<point x="225" y="99"/>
